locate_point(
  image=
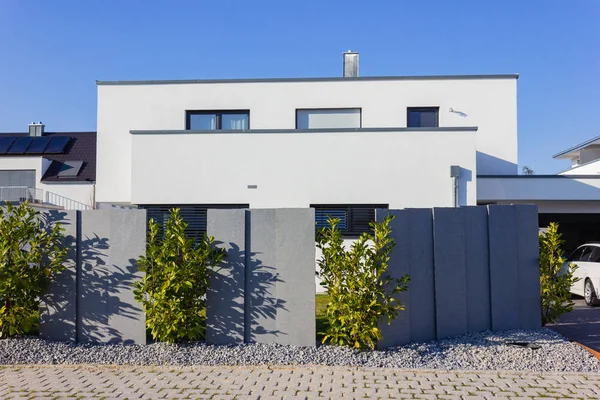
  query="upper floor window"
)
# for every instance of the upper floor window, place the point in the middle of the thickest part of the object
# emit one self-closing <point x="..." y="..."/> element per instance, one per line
<point x="217" y="120"/>
<point x="354" y="219"/>
<point x="323" y="118"/>
<point x="422" y="117"/>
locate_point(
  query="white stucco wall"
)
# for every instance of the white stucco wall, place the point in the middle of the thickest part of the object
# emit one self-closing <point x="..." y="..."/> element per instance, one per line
<point x="81" y="192"/>
<point x="538" y="188"/>
<point x="489" y="104"/>
<point x="561" y="207"/>
<point x="591" y="168"/>
<point x="402" y="169"/>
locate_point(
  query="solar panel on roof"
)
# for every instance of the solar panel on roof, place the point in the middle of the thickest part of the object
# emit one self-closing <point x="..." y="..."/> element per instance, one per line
<point x="38" y="145"/>
<point x="20" y="145"/>
<point x="57" y="144"/>
<point x="5" y="143"/>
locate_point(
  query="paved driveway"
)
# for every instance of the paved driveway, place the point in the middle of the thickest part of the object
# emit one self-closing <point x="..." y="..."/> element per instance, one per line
<point x="581" y="325"/>
<point x="62" y="382"/>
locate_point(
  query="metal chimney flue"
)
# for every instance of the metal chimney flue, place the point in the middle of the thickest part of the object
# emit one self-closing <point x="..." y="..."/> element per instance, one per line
<point x="350" y="60"/>
<point x="36" y="129"/>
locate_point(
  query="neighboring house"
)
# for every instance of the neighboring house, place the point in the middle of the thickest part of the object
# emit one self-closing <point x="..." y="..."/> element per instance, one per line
<point x="343" y="145"/>
<point x="571" y="198"/>
<point x="53" y="169"/>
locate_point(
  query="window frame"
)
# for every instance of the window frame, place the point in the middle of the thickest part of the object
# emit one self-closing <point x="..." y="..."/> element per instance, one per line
<point x="330" y="109"/>
<point x="422" y="109"/>
<point x="349" y="231"/>
<point x="218" y="116"/>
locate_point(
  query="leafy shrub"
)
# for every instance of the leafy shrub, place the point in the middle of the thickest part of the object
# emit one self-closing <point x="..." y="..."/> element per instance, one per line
<point x="173" y="291"/>
<point x="30" y="256"/>
<point x="361" y="295"/>
<point x="555" y="280"/>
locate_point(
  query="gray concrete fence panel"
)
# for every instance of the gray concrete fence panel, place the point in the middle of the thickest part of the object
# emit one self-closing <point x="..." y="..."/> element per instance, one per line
<point x="529" y="272"/>
<point x="450" y="272"/>
<point x="225" y="296"/>
<point x="58" y="313"/>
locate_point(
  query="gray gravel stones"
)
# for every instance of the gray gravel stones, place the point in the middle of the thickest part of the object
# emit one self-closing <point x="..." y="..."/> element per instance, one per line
<point x="481" y="351"/>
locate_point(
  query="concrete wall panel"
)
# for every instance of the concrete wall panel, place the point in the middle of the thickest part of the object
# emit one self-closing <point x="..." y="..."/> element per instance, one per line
<point x="450" y="272"/>
<point x="504" y="267"/>
<point x="262" y="299"/>
<point x="413" y="255"/>
<point x="295" y="229"/>
<point x="529" y="270"/>
<point x="109" y="244"/>
<point x="477" y="269"/>
<point x="58" y="306"/>
<point x="225" y="296"/>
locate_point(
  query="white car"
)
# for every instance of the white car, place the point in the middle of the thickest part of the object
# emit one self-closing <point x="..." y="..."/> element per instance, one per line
<point x="587" y="259"/>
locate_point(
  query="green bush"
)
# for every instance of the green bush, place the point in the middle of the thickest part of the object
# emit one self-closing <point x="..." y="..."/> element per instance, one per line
<point x="555" y="281"/>
<point x="361" y="295"/>
<point x="30" y="256"/>
<point x="173" y="290"/>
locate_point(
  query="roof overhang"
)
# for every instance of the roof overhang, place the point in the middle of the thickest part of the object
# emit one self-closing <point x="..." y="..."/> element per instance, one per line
<point x="574" y="151"/>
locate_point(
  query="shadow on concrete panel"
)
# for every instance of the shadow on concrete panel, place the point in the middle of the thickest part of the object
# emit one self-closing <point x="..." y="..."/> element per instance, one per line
<point x="98" y="291"/>
<point x="58" y="305"/>
<point x="225" y="302"/>
<point x="245" y="305"/>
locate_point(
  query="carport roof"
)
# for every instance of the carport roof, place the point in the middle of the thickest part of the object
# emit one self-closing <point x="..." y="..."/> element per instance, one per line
<point x="573" y="151"/>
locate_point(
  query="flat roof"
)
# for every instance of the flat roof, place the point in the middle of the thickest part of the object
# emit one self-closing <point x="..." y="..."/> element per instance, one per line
<point x="290" y="131"/>
<point x="330" y="79"/>
<point x="577" y="147"/>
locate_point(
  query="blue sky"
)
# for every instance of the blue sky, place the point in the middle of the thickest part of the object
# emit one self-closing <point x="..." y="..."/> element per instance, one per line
<point x="51" y="53"/>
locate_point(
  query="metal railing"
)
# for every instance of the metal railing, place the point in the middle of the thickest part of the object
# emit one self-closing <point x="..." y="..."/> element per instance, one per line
<point x="65" y="202"/>
<point x="21" y="193"/>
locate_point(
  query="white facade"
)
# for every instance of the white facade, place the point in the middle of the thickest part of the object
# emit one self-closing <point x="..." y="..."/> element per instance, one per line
<point x="401" y="167"/>
<point x="80" y="192"/>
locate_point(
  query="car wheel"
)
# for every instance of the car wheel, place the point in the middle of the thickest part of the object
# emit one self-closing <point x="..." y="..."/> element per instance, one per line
<point x="590" y="294"/>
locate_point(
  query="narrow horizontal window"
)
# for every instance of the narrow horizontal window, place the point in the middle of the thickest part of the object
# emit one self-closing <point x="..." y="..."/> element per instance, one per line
<point x="323" y="118"/>
<point x="354" y="218"/>
<point x="422" y="117"/>
<point x="217" y="120"/>
<point x="194" y="215"/>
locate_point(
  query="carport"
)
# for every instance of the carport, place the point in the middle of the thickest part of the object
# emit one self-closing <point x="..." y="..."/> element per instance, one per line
<point x="576" y="228"/>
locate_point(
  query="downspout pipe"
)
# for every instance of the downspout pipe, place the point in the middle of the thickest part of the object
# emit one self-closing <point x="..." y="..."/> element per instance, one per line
<point x="455" y="174"/>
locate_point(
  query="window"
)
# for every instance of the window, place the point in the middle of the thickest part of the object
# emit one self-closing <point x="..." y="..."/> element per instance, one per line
<point x="581" y="254"/>
<point x="354" y="219"/>
<point x="422" y="117"/>
<point x="595" y="256"/>
<point x="324" y="118"/>
<point x="193" y="214"/>
<point x="217" y="120"/>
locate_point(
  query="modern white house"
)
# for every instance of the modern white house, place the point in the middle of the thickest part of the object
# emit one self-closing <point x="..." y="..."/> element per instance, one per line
<point x="344" y="145"/>
<point x="48" y="169"/>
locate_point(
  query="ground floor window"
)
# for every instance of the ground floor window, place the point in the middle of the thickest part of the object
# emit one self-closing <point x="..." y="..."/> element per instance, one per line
<point x="193" y="214"/>
<point x="354" y="218"/>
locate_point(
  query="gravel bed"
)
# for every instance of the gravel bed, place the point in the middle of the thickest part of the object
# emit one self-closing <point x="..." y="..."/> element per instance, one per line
<point x="481" y="351"/>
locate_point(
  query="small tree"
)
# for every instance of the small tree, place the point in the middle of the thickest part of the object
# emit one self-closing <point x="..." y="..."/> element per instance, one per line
<point x="361" y="295"/>
<point x="173" y="291"/>
<point x="30" y="256"/>
<point x="556" y="279"/>
<point x="527" y="171"/>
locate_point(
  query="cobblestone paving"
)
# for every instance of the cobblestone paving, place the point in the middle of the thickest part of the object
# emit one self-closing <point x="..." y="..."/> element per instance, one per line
<point x="92" y="382"/>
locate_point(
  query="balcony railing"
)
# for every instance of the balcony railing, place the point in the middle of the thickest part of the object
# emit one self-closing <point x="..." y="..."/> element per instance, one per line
<point x="17" y="194"/>
<point x="21" y="193"/>
<point x="65" y="202"/>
